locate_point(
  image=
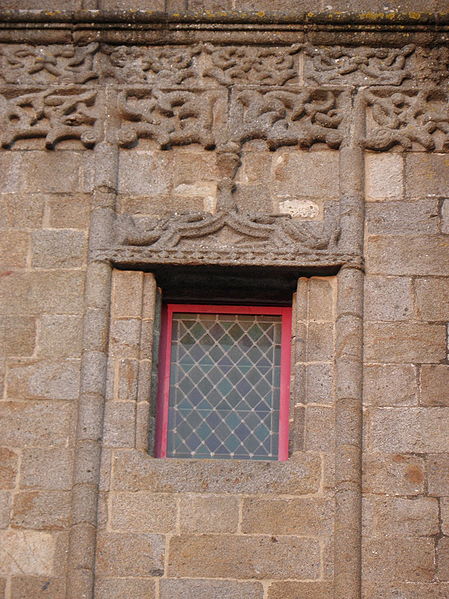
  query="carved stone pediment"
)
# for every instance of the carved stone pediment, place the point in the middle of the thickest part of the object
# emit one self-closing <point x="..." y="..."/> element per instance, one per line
<point x="226" y="237"/>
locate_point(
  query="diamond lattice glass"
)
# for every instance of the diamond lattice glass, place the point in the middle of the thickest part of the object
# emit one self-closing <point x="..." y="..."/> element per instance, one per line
<point x="224" y="386"/>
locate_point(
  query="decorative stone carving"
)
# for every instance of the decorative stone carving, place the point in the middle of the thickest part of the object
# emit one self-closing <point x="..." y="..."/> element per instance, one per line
<point x="171" y="118"/>
<point x="432" y="65"/>
<point x="408" y="118"/>
<point x="60" y="64"/>
<point x="55" y="114"/>
<point x="252" y="65"/>
<point x="358" y="66"/>
<point x="282" y="118"/>
<point x="163" y="66"/>
<point x="226" y="237"/>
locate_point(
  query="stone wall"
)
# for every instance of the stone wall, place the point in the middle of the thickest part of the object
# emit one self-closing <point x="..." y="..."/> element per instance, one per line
<point x="321" y="141"/>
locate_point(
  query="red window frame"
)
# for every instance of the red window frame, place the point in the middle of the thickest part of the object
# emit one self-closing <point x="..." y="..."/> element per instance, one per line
<point x="162" y="406"/>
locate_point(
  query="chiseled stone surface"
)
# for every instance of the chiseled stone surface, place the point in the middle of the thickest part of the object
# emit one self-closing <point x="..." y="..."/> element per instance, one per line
<point x="194" y="529"/>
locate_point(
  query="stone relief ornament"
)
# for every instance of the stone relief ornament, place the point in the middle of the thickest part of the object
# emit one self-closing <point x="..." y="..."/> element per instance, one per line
<point x="407" y="119"/>
<point x="159" y="65"/>
<point x="171" y="118"/>
<point x="358" y="66"/>
<point x="432" y="65"/>
<point x="230" y="65"/>
<point x="224" y="237"/>
<point x="24" y="64"/>
<point x="282" y="118"/>
<point x="54" y="114"/>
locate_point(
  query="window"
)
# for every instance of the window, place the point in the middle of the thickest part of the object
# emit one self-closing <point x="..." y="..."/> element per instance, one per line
<point x="224" y="382"/>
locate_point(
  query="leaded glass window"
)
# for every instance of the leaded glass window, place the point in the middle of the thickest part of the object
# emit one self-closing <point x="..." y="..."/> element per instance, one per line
<point x="224" y="376"/>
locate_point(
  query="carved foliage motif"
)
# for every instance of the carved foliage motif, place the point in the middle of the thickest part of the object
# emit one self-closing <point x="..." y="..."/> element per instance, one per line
<point x="170" y="118"/>
<point x="25" y="64"/>
<point x="289" y="118"/>
<point x="54" y="114"/>
<point x="358" y="66"/>
<point x="407" y="118"/>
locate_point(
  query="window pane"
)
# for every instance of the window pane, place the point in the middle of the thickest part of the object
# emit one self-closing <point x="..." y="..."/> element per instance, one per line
<point x="224" y="386"/>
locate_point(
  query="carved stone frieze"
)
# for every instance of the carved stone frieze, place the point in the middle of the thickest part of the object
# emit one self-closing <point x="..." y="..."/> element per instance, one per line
<point x="255" y="65"/>
<point x="410" y="119"/>
<point x="171" y="117"/>
<point x="163" y="66"/>
<point x="432" y="65"/>
<point x="226" y="237"/>
<point x="42" y="65"/>
<point x="54" y="114"/>
<point x="281" y="118"/>
<point x="358" y="66"/>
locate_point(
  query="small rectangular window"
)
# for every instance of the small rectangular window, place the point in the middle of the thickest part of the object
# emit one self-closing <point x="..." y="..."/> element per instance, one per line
<point x="224" y="382"/>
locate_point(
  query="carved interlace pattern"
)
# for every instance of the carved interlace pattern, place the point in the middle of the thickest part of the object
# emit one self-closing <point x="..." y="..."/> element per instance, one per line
<point x="407" y="119"/>
<point x="54" y="114"/>
<point x="181" y="94"/>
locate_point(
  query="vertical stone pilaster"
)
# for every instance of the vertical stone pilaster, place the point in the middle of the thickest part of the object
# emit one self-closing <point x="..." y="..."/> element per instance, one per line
<point x="89" y="429"/>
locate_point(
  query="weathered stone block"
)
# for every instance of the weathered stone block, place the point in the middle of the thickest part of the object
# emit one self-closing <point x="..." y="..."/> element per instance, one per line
<point x="444" y="509"/>
<point x="146" y="173"/>
<point x="44" y="380"/>
<point x="5" y="508"/>
<point x="130" y="554"/>
<point x="322" y="298"/>
<point x="394" y="218"/>
<point x="125" y="338"/>
<point x="442" y="553"/>
<point x="208" y="513"/>
<point x="212" y="589"/>
<point x="21" y="211"/>
<point x="407" y="255"/>
<point x="24" y="587"/>
<point x="319" y="433"/>
<point x="434" y="385"/>
<point x="406" y="590"/>
<point x="10" y="171"/>
<point x="51" y="172"/>
<point x="319" y="383"/>
<point x="192" y="168"/>
<point x="400" y="517"/>
<point x="119" y="424"/>
<point x="37" y="292"/>
<point x="390" y="384"/>
<point x="60" y="336"/>
<point x="41" y="510"/>
<point x="416" y="430"/>
<point x="14" y="249"/>
<point x="134" y="471"/>
<point x="17" y="335"/>
<point x="410" y="559"/>
<point x="405" y="342"/>
<point x="8" y="468"/>
<point x="304" y="174"/>
<point x="68" y="212"/>
<point x="26" y="552"/>
<point x="388" y="298"/>
<point x="307" y="517"/>
<point x="384" y="177"/>
<point x="320" y="342"/>
<point x="58" y="248"/>
<point x="34" y="423"/>
<point x="143" y="512"/>
<point x="232" y="556"/>
<point x="426" y="175"/>
<point x="128" y="377"/>
<point x="438" y="473"/>
<point x="432" y="298"/>
<point x="255" y="168"/>
<point x="123" y="588"/>
<point x="445" y="216"/>
<point x="127" y="288"/>
<point x="44" y="468"/>
<point x="300" y="590"/>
